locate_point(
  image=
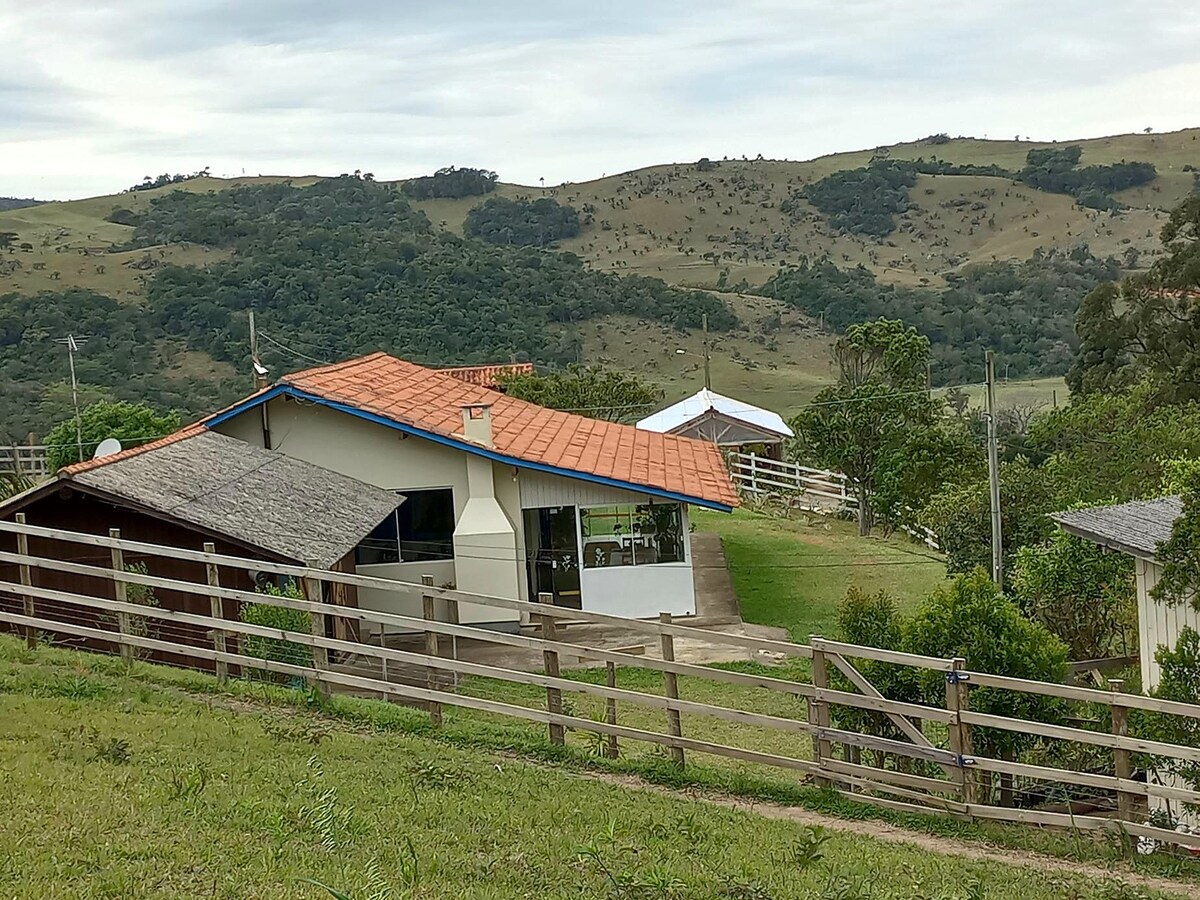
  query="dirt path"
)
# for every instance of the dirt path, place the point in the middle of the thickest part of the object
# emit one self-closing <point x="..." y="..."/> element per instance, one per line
<point x="897" y="835"/>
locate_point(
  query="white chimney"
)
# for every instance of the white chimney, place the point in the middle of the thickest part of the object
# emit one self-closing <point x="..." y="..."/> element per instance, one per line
<point x="477" y="423"/>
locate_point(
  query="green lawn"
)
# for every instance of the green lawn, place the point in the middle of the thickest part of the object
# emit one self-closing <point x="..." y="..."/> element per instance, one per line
<point x="133" y="787"/>
<point x="792" y="572"/>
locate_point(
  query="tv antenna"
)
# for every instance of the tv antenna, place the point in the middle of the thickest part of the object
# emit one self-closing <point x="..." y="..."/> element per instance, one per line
<point x="73" y="343"/>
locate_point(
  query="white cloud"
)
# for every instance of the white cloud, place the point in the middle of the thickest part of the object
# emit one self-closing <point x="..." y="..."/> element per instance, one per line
<point x="92" y="97"/>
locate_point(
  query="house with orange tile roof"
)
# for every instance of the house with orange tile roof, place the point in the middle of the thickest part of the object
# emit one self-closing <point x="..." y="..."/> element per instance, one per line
<point x="502" y="497"/>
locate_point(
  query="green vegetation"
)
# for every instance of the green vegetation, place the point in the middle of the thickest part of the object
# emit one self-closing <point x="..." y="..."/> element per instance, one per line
<point x="1024" y="311"/>
<point x="878" y="409"/>
<point x="133" y="424"/>
<point x="1057" y="170"/>
<point x="142" y="786"/>
<point x="7" y="203"/>
<point x="276" y="617"/>
<point x="521" y="223"/>
<point x="450" y="182"/>
<point x="1079" y="591"/>
<point x="791" y="573"/>
<point x="593" y="391"/>
<point x="1146" y="326"/>
<point x="866" y="200"/>
<point x="860" y="201"/>
<point x="346" y="264"/>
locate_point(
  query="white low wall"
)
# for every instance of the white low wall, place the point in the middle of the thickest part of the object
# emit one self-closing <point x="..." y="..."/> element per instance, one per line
<point x="402" y="603"/>
<point x="640" y="591"/>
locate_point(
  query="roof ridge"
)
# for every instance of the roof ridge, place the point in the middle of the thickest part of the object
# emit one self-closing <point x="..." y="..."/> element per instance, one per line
<point x="331" y="367"/>
<point x="87" y="465"/>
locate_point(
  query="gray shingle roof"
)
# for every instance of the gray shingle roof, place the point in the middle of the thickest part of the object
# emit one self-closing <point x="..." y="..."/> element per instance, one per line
<point x="1135" y="528"/>
<point x="261" y="497"/>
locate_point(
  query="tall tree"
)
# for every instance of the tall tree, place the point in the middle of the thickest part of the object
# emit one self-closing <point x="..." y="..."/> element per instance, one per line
<point x="1150" y="325"/>
<point x="878" y="401"/>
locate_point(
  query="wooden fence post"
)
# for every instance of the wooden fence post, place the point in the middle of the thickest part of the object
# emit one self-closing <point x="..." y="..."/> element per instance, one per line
<point x="753" y="472"/>
<point x="31" y="634"/>
<point x="551" y="668"/>
<point x="431" y="649"/>
<point x="314" y="594"/>
<point x="218" y="612"/>
<point x="671" y="683"/>
<point x="1122" y="759"/>
<point x="611" y="750"/>
<point x="957" y="701"/>
<point x="818" y="710"/>
<point x="452" y="618"/>
<point x="121" y="594"/>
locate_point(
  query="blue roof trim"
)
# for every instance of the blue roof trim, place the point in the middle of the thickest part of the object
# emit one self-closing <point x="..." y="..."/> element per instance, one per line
<point x="288" y="390"/>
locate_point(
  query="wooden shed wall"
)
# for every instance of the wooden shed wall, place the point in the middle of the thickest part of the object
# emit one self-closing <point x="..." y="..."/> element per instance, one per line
<point x="77" y="511"/>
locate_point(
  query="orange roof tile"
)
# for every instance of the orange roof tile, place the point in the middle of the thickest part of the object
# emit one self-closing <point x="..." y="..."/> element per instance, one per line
<point x="488" y="376"/>
<point x="431" y="401"/>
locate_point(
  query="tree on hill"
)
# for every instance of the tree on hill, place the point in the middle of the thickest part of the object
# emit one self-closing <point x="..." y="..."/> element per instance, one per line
<point x="450" y="182"/>
<point x="879" y="401"/>
<point x="1149" y="325"/>
<point x="133" y="424"/>
<point x="860" y="201"/>
<point x="591" y="391"/>
<point x="522" y="223"/>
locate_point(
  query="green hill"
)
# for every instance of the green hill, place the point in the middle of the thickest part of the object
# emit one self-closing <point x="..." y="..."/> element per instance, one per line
<point x="724" y="225"/>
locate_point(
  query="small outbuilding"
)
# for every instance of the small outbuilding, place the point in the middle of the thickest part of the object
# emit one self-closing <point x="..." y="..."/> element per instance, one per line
<point x="1137" y="529"/>
<point x="728" y="423"/>
<point x="190" y="488"/>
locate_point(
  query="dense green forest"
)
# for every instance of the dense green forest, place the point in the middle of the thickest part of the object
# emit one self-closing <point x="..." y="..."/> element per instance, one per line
<point x="522" y="223"/>
<point x="450" y="182"/>
<point x="867" y="200"/>
<point x="1025" y="311"/>
<point x="343" y="267"/>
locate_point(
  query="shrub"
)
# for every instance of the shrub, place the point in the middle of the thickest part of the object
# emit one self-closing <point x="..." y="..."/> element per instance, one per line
<point x="277" y="617"/>
<point x="972" y="619"/>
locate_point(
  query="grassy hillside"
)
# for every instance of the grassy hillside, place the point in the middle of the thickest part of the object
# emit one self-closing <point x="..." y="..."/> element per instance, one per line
<point x="720" y="229"/>
<point x="157" y="786"/>
<point x="665" y="219"/>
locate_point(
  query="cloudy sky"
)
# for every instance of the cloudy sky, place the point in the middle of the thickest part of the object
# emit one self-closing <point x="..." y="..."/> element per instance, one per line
<point x="94" y="94"/>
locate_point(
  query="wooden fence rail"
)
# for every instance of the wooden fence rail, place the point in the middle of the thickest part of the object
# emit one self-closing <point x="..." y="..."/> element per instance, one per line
<point x="933" y="750"/>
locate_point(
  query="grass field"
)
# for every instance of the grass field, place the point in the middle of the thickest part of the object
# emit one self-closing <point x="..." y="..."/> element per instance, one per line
<point x="791" y="573"/>
<point x="156" y="786"/>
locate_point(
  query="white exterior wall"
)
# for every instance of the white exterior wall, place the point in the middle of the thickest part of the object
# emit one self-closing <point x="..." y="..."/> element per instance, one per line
<point x="490" y="550"/>
<point x="384" y="457"/>
<point x="1160" y="624"/>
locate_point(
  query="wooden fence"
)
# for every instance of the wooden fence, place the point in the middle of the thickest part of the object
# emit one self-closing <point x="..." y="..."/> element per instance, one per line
<point x="918" y="757"/>
<point x="24" y="459"/>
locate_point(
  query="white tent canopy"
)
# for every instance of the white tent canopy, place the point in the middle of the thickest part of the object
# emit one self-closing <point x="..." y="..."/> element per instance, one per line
<point x="704" y="401"/>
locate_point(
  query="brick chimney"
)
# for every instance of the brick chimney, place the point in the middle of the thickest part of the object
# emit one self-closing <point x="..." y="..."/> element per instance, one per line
<point x="477" y="423"/>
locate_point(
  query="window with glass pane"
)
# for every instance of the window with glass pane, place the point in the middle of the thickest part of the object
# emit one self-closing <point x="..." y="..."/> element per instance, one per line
<point x="630" y="535"/>
<point x="422" y="529"/>
<point x="427" y="525"/>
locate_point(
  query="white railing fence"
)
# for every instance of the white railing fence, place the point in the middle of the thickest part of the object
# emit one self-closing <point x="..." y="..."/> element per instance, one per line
<point x="760" y="474"/>
<point x="817" y="490"/>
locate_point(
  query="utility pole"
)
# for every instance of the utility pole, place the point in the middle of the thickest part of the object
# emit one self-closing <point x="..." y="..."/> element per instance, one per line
<point x="994" y="473"/>
<point x="253" y="353"/>
<point x="73" y="343"/>
<point x="707" y="375"/>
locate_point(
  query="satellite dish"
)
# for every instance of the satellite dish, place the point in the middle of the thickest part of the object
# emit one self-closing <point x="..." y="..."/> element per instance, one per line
<point x="107" y="447"/>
